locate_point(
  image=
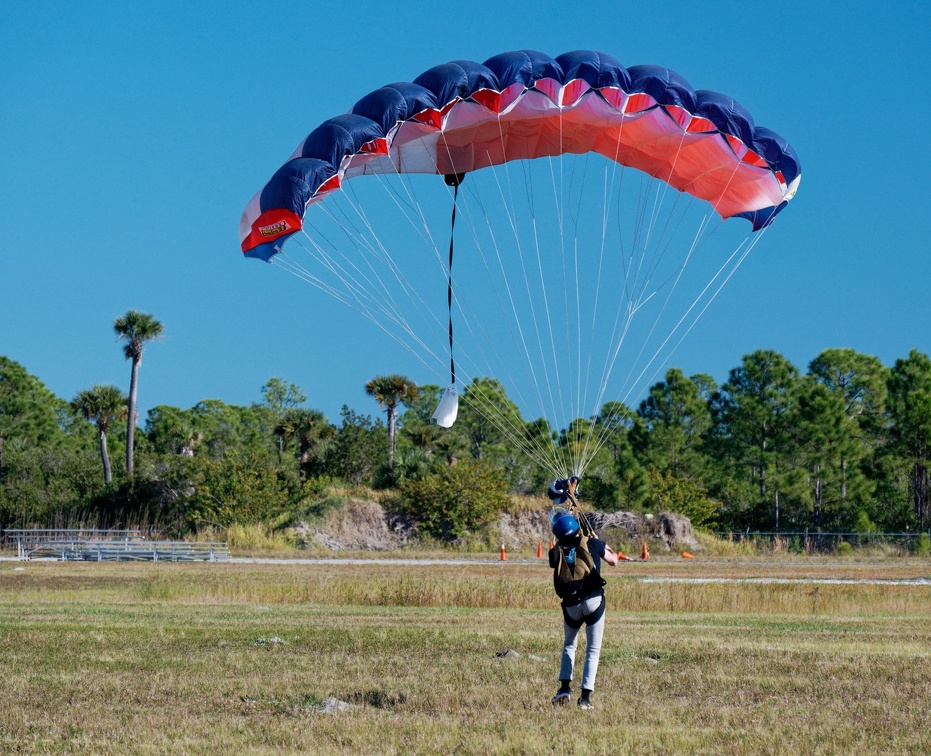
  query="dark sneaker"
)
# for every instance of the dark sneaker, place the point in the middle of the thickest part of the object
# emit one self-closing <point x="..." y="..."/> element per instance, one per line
<point x="585" y="703"/>
<point x="561" y="697"/>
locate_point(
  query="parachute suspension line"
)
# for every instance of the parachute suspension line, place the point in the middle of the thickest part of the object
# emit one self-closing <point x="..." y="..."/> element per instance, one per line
<point x="289" y="265"/>
<point x="514" y="433"/>
<point x="636" y="301"/>
<point x="357" y="285"/>
<point x="531" y="299"/>
<point x="658" y="200"/>
<point x="471" y="316"/>
<point x="500" y="420"/>
<point x="354" y="295"/>
<point x="574" y="350"/>
<point x="376" y="251"/>
<point x="453" y="180"/>
<point x="381" y="299"/>
<point x="559" y="354"/>
<point x="544" y="290"/>
<point x="377" y="299"/>
<point x="518" y="433"/>
<point x="597" y="441"/>
<point x="632" y="300"/>
<point x="633" y="297"/>
<point x="574" y="214"/>
<point x="531" y="295"/>
<point x="727" y="269"/>
<point x="627" y="382"/>
<point x="675" y="278"/>
<point x="754" y="240"/>
<point x="612" y="169"/>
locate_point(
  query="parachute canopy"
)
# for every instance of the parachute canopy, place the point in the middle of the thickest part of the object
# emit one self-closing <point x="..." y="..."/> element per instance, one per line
<point x="591" y="236"/>
<point x="462" y="116"/>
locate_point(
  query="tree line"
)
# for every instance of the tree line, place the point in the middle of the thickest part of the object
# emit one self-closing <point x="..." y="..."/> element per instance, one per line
<point x="843" y="446"/>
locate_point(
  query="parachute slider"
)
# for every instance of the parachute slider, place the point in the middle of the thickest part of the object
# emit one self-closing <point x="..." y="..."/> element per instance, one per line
<point x="446" y="411"/>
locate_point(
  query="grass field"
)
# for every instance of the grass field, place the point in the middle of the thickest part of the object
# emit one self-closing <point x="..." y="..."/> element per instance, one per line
<point x="241" y="658"/>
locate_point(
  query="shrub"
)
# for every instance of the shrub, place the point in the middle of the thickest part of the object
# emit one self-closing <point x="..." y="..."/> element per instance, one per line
<point x="316" y="509"/>
<point x="257" y="537"/>
<point x="236" y="489"/>
<point x="688" y="497"/>
<point x="864" y="524"/>
<point x="460" y="499"/>
<point x="924" y="545"/>
<point x="844" y="549"/>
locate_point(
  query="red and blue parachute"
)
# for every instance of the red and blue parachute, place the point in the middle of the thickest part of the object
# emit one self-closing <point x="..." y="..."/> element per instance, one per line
<point x="512" y="110"/>
<point x="461" y="116"/>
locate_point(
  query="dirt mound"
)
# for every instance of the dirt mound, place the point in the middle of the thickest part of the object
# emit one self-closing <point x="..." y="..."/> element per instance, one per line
<point x="360" y="525"/>
<point x="669" y="530"/>
<point x="525" y="529"/>
<point x="365" y="525"/>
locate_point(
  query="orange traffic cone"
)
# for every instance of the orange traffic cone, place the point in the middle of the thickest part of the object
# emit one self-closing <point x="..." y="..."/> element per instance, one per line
<point x="686" y="555"/>
<point x="504" y="556"/>
<point x="623" y="557"/>
<point x="644" y="554"/>
<point x="539" y="549"/>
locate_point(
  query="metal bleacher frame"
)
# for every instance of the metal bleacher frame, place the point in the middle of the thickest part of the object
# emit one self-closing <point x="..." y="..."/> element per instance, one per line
<point x="90" y="545"/>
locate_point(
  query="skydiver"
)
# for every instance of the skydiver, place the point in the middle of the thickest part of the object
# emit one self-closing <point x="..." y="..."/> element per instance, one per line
<point x="576" y="562"/>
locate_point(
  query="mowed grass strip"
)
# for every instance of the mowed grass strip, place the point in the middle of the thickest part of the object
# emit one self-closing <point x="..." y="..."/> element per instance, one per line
<point x="115" y="658"/>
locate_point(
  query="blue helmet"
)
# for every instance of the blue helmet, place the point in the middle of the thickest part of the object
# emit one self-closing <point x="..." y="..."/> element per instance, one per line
<point x="565" y="526"/>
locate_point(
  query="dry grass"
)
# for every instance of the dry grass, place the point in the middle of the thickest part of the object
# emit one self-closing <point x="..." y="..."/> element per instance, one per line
<point x="239" y="658"/>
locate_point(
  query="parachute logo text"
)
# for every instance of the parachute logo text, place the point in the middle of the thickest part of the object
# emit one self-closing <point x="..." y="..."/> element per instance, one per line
<point x="275" y="229"/>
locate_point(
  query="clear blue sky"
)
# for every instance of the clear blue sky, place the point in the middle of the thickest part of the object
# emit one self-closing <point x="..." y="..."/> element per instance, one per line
<point x="133" y="135"/>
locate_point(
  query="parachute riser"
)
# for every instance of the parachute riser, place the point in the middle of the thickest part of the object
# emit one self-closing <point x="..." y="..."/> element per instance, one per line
<point x="576" y="511"/>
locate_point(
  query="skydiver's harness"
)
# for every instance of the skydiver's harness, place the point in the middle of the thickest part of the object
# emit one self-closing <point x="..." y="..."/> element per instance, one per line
<point x="574" y="575"/>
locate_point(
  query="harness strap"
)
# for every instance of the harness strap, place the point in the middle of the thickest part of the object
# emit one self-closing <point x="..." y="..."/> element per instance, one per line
<point x="576" y="511"/>
<point x="588" y="619"/>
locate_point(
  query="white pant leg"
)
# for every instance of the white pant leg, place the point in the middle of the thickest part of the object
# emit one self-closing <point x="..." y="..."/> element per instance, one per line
<point x="593" y="635"/>
<point x="571" y="638"/>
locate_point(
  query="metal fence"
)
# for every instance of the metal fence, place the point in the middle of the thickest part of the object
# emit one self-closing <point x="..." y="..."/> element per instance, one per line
<point x="819" y="540"/>
<point x="108" y="545"/>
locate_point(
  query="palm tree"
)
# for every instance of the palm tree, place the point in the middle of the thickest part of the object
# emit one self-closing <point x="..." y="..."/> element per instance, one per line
<point x="311" y="431"/>
<point x="101" y="405"/>
<point x="135" y="328"/>
<point x="390" y="391"/>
